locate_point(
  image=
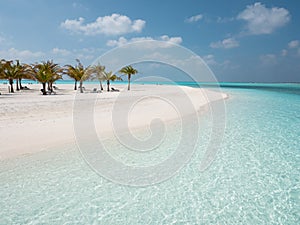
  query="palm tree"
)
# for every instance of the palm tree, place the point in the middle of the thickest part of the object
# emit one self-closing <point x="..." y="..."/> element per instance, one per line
<point x="110" y="77"/>
<point x="11" y="71"/>
<point x="55" y="74"/>
<point x="46" y="72"/>
<point x="7" y="73"/>
<point x="2" y="61"/>
<point x="40" y="72"/>
<point x="71" y="72"/>
<point x="78" y="73"/>
<point x="1" y="69"/>
<point x="25" y="75"/>
<point x="128" y="70"/>
<point x="98" y="72"/>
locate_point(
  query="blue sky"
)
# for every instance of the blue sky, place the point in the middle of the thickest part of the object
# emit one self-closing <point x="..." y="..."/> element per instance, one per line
<point x="240" y="40"/>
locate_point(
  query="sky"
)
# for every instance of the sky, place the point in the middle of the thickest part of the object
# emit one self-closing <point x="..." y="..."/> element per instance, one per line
<point x="240" y="40"/>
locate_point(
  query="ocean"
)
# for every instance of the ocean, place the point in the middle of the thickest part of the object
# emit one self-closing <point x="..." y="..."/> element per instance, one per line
<point x="254" y="179"/>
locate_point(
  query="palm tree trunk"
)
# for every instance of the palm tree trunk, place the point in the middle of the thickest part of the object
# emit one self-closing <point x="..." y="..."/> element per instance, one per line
<point x="101" y="87"/>
<point x="81" y="88"/>
<point x="11" y="81"/>
<point x="129" y="76"/>
<point x="51" y="86"/>
<point x="17" y="85"/>
<point x="75" y="88"/>
<point x="48" y="86"/>
<point x="44" y="89"/>
<point x="20" y="82"/>
<point x="108" y="83"/>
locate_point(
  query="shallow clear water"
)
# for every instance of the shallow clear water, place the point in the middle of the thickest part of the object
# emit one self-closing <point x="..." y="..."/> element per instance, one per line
<point x="255" y="178"/>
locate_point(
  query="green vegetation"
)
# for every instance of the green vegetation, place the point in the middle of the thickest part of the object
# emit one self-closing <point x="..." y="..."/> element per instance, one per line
<point x="78" y="73"/>
<point x="128" y="70"/>
<point x="47" y="72"/>
<point x="10" y="71"/>
<point x="110" y="77"/>
<point x="97" y="72"/>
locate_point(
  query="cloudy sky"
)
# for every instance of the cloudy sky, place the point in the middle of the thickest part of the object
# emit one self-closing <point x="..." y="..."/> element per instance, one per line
<point x="240" y="40"/>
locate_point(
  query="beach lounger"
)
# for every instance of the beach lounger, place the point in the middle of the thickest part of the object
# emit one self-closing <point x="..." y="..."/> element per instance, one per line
<point x="95" y="90"/>
<point x="49" y="92"/>
<point x="113" y="89"/>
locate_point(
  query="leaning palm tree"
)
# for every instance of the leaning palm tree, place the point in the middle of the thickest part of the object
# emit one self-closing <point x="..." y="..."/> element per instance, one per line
<point x="128" y="70"/>
<point x="109" y="76"/>
<point x="97" y="72"/>
<point x="71" y="72"/>
<point x="78" y="73"/>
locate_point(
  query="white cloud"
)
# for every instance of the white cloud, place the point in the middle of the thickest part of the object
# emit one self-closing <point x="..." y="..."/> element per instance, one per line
<point x="59" y="55"/>
<point x="59" y="51"/>
<point x="262" y="20"/>
<point x="194" y="18"/>
<point x="114" y="24"/>
<point x="268" y="59"/>
<point x="228" y="65"/>
<point x="68" y="56"/>
<point x="209" y="59"/>
<point x="23" y="55"/>
<point x="284" y="52"/>
<point x="225" y="19"/>
<point x="122" y="41"/>
<point x="175" y="40"/>
<point x="226" y="43"/>
<point x="293" y="44"/>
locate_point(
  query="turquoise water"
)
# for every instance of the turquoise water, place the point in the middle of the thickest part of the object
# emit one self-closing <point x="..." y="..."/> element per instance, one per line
<point x="255" y="178"/>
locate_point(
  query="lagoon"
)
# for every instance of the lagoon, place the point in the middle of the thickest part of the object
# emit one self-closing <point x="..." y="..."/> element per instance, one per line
<point x="253" y="180"/>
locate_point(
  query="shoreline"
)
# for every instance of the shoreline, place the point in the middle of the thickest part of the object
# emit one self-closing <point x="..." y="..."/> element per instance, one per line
<point x="31" y="122"/>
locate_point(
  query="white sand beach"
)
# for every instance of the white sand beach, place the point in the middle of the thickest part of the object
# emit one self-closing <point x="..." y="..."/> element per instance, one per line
<point x="31" y="122"/>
